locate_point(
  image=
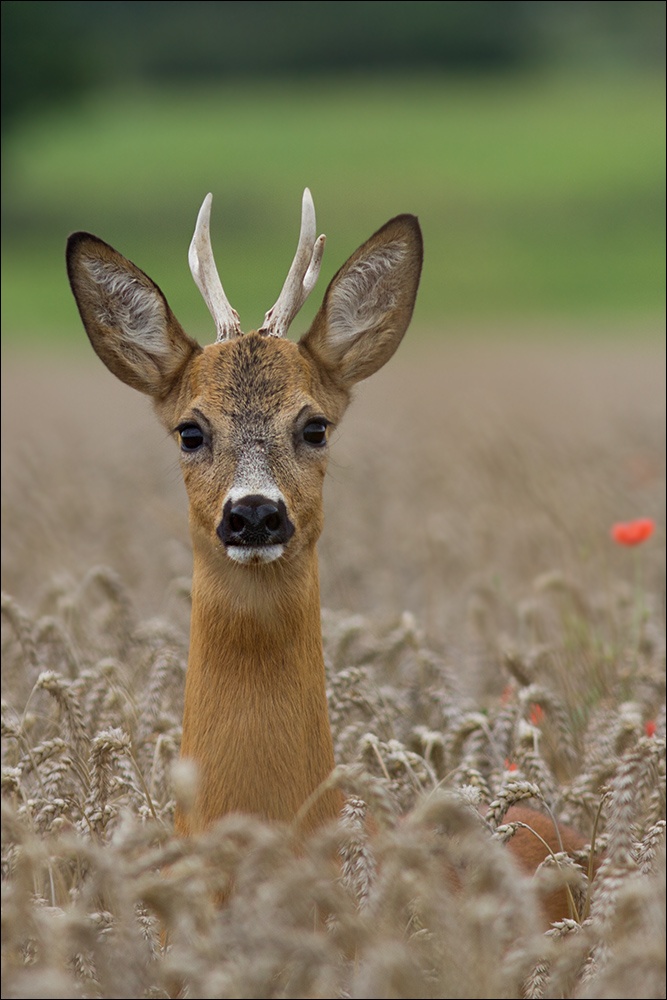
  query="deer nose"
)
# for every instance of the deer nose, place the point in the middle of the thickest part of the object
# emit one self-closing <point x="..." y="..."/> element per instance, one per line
<point x="255" y="520"/>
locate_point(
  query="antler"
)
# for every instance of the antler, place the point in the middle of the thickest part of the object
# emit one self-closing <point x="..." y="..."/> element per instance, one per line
<point x="205" y="273"/>
<point x="302" y="274"/>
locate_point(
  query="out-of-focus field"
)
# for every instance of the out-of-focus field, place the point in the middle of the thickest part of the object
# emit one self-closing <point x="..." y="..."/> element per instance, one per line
<point x="540" y="195"/>
<point x="484" y="637"/>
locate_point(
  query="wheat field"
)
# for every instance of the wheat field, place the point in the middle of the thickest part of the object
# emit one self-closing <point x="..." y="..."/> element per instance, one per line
<point x="486" y="641"/>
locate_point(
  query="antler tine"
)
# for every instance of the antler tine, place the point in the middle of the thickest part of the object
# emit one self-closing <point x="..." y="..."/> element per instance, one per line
<point x="205" y="273"/>
<point x="302" y="274"/>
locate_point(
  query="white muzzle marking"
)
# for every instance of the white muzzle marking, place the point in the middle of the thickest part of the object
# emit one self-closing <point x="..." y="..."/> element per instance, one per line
<point x="254" y="555"/>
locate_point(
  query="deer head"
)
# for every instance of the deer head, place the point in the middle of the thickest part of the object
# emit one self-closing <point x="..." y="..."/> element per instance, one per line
<point x="252" y="412"/>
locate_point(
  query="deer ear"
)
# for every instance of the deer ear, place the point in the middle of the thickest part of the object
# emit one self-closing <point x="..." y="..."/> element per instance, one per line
<point x="368" y="305"/>
<point x="126" y="316"/>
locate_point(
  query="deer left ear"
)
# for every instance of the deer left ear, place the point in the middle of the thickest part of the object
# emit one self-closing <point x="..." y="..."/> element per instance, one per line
<point x="368" y="305"/>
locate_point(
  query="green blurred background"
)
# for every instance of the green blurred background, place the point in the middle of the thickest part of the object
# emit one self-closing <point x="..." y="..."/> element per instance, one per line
<point x="528" y="137"/>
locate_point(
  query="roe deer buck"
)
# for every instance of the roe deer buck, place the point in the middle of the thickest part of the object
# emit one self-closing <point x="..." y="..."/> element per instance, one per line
<point x="253" y="413"/>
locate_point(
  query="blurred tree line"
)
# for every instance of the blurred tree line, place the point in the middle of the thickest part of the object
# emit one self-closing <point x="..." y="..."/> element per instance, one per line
<point x="55" y="51"/>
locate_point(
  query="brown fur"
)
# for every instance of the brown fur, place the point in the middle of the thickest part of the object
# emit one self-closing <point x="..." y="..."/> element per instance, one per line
<point x="255" y="719"/>
<point x="529" y="852"/>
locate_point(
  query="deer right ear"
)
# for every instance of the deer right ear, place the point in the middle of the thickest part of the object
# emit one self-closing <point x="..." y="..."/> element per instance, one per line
<point x="368" y="305"/>
<point x="126" y="316"/>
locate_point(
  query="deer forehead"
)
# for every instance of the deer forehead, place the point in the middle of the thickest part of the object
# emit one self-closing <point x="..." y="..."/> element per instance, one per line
<point x="254" y="382"/>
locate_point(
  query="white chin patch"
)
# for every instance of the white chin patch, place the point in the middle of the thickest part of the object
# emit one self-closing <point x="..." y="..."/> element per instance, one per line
<point x="249" y="555"/>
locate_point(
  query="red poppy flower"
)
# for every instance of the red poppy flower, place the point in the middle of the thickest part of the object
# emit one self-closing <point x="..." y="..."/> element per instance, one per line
<point x="633" y="532"/>
<point x="510" y="765"/>
<point x="536" y="714"/>
<point x="650" y="727"/>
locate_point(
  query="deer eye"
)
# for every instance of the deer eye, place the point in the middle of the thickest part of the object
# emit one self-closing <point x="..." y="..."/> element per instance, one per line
<point x="315" y="433"/>
<point x="192" y="437"/>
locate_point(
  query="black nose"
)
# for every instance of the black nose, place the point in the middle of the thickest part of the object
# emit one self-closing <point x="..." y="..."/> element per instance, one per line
<point x="255" y="520"/>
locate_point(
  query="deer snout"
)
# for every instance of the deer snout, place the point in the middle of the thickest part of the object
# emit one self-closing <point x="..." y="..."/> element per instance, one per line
<point x="254" y="521"/>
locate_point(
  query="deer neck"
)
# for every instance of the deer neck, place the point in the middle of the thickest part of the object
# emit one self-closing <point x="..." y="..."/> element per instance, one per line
<point x="255" y="719"/>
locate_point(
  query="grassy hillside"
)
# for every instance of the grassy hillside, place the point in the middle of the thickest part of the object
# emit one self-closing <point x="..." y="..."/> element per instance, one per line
<point x="540" y="198"/>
